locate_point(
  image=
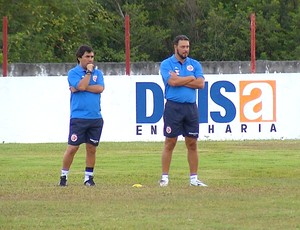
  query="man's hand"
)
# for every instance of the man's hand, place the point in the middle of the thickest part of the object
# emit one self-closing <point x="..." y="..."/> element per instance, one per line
<point x="90" y="67"/>
<point x="173" y="74"/>
<point x="198" y="83"/>
<point x="73" y="89"/>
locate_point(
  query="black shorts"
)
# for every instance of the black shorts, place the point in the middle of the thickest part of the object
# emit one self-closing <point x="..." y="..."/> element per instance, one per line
<point x="181" y="119"/>
<point x="85" y="131"/>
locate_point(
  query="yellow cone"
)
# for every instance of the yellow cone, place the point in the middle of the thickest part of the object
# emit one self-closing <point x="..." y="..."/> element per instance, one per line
<point x="137" y="186"/>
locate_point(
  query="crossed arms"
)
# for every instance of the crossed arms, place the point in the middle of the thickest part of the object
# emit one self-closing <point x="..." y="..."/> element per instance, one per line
<point x="188" y="81"/>
<point x="84" y="86"/>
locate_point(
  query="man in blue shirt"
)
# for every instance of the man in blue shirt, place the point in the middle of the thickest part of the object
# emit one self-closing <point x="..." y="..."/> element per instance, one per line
<point x="86" y="85"/>
<point x="182" y="76"/>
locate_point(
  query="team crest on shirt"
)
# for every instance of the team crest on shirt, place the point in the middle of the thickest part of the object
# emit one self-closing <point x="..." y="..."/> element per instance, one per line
<point x="190" y="68"/>
<point x="95" y="78"/>
<point x="74" y="137"/>
<point x="168" y="129"/>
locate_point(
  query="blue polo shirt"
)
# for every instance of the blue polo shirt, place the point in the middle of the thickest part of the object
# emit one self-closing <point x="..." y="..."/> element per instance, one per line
<point x="190" y="67"/>
<point x="84" y="104"/>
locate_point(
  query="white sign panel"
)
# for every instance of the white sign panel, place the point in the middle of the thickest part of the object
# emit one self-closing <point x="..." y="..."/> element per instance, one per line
<point x="231" y="107"/>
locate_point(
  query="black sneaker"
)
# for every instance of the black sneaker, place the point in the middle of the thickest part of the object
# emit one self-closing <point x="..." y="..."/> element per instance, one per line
<point x="90" y="181"/>
<point x="63" y="181"/>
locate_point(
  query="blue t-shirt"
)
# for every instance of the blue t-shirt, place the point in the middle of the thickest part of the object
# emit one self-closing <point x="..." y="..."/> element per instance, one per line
<point x="190" y="67"/>
<point x="84" y="104"/>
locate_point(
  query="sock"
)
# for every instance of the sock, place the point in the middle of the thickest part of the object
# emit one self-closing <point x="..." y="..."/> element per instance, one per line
<point x="88" y="172"/>
<point x="64" y="172"/>
<point x="165" y="177"/>
<point x="193" y="177"/>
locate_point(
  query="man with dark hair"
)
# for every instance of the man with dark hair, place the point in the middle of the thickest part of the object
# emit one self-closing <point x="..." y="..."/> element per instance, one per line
<point x="182" y="76"/>
<point x="86" y="85"/>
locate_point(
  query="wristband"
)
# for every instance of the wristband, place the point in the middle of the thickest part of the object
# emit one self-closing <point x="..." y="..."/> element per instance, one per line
<point x="88" y="72"/>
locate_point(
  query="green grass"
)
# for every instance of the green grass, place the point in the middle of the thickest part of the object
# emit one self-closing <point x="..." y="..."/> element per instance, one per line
<point x="252" y="185"/>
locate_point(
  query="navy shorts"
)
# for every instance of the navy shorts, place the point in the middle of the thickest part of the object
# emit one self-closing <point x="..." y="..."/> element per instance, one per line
<point x="85" y="131"/>
<point x="181" y="119"/>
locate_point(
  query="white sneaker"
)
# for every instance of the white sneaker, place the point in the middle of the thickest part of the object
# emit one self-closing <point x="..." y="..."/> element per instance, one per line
<point x="197" y="183"/>
<point x="163" y="183"/>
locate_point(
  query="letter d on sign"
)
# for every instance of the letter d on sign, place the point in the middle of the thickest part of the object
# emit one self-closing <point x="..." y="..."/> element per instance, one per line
<point x="142" y="104"/>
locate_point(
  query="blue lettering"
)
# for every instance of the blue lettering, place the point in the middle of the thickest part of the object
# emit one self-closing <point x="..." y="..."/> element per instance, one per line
<point x="243" y="128"/>
<point x="141" y="102"/>
<point x="153" y="129"/>
<point x="211" y="129"/>
<point x="138" y="130"/>
<point x="203" y="104"/>
<point x="221" y="100"/>
<point x="273" y="128"/>
<point x="228" y="129"/>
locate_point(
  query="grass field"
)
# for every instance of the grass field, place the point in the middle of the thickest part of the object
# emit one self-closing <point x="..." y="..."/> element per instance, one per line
<point x="252" y="185"/>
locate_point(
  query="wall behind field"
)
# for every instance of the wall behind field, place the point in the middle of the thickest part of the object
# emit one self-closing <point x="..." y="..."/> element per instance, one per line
<point x="232" y="107"/>
<point x="152" y="68"/>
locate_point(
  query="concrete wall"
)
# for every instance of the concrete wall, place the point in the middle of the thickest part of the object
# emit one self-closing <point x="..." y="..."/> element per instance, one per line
<point x="152" y="68"/>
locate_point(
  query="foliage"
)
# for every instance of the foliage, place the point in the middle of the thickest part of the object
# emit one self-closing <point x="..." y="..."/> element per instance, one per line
<point x="44" y="31"/>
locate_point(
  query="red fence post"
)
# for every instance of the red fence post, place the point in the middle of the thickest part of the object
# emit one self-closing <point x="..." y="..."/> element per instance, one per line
<point x="127" y="44"/>
<point x="253" y="58"/>
<point x="4" y="48"/>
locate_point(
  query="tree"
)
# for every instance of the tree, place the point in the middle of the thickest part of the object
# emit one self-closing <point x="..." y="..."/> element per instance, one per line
<point x="43" y="31"/>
